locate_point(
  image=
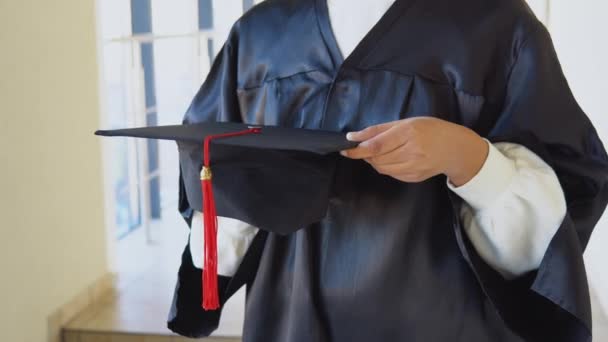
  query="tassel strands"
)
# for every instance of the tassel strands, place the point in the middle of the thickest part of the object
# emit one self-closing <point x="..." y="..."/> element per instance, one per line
<point x="210" y="288"/>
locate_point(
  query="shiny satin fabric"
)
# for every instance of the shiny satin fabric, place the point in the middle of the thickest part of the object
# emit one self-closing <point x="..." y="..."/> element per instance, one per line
<point x="389" y="260"/>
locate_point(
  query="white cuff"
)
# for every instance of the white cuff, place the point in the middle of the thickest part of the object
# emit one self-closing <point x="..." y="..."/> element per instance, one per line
<point x="516" y="225"/>
<point x="233" y="240"/>
<point x="489" y="183"/>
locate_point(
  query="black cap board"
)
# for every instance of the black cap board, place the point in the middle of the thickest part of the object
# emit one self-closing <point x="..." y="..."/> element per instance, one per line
<point x="278" y="179"/>
<point x="269" y="137"/>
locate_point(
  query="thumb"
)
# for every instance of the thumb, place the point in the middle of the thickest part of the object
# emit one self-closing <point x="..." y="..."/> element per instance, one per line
<point x="369" y="132"/>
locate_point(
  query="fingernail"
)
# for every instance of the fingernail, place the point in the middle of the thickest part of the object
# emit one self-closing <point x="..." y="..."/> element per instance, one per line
<point x="344" y="153"/>
<point x="350" y="136"/>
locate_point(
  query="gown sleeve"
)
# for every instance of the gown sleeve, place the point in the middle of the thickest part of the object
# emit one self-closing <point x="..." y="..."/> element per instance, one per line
<point x="540" y="113"/>
<point x="513" y="207"/>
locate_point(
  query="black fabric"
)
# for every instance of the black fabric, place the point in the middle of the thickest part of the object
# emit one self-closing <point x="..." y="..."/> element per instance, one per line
<point x="186" y="314"/>
<point x="389" y="261"/>
<point x="281" y="191"/>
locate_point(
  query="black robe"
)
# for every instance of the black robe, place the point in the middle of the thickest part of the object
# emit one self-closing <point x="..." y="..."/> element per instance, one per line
<point x="389" y="261"/>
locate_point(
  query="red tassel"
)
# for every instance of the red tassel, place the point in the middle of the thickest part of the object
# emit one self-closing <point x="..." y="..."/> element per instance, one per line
<point x="210" y="292"/>
<point x="211" y="299"/>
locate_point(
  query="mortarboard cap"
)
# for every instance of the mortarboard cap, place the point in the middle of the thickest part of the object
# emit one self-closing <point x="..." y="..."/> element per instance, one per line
<point x="274" y="178"/>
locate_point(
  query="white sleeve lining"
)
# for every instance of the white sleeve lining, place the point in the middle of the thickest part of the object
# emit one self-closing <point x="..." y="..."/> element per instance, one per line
<point x="233" y="239"/>
<point x="514" y="206"/>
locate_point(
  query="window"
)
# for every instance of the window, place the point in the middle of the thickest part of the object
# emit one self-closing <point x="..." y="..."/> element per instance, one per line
<point x="156" y="54"/>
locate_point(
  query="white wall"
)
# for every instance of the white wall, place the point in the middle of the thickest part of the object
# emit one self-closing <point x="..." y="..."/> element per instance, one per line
<point x="51" y="202"/>
<point x="580" y="34"/>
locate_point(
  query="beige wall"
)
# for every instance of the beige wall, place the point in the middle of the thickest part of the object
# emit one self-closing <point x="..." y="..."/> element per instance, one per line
<point x="50" y="162"/>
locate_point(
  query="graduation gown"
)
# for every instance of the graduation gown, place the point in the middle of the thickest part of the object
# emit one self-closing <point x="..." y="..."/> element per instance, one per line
<point x="388" y="261"/>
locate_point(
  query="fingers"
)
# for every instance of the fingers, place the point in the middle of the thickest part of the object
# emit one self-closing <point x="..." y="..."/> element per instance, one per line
<point x="370" y="132"/>
<point x="393" y="169"/>
<point x="408" y="172"/>
<point x="412" y="177"/>
<point x="405" y="173"/>
<point x="396" y="156"/>
<point x="380" y="144"/>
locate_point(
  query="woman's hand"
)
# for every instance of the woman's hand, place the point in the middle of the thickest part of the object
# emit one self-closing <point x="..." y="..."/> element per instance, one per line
<point x="415" y="149"/>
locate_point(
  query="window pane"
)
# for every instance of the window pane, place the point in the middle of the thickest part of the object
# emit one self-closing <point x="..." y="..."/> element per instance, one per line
<point x="225" y="13"/>
<point x="174" y="17"/>
<point x="116" y="19"/>
<point x="178" y="76"/>
<point x="119" y="113"/>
